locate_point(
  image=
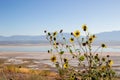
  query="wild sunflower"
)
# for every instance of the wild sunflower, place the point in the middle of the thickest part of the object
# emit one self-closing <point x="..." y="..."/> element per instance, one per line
<point x="55" y="44"/>
<point x="76" y="33"/>
<point x="83" y="44"/>
<point x="103" y="67"/>
<point x="103" y="45"/>
<point x="90" y="39"/>
<point x="110" y="62"/>
<point x="94" y="36"/>
<point x="65" y="65"/>
<point x="71" y="40"/>
<point x="53" y="58"/>
<point x="103" y="59"/>
<point x="55" y="33"/>
<point x="96" y="57"/>
<point x="84" y="27"/>
<point x="65" y="60"/>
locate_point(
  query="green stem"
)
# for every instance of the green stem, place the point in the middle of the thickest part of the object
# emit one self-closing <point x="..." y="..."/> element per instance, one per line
<point x="96" y="50"/>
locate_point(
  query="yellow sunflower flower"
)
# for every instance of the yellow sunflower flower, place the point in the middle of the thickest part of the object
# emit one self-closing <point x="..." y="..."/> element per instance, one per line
<point x="55" y="44"/>
<point x="94" y="36"/>
<point x="71" y="40"/>
<point x="84" y="27"/>
<point x="65" y="65"/>
<point x="103" y="46"/>
<point x="53" y="58"/>
<point x="110" y="62"/>
<point x="103" y="68"/>
<point x="76" y="33"/>
<point x="90" y="39"/>
<point x="65" y="60"/>
<point x="55" y="33"/>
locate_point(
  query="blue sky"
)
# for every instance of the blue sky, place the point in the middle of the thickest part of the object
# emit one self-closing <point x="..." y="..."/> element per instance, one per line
<point x="32" y="17"/>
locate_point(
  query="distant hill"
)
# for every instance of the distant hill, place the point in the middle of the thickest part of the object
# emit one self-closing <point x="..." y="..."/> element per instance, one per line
<point x="107" y="37"/>
<point x="22" y="38"/>
<point x="29" y="38"/>
<point x="110" y="38"/>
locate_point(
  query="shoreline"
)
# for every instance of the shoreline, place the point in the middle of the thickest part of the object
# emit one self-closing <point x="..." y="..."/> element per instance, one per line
<point x="45" y="44"/>
<point x="29" y="52"/>
<point x="14" y="45"/>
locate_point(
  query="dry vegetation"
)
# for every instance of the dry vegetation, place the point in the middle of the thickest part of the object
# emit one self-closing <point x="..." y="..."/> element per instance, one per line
<point x="21" y="72"/>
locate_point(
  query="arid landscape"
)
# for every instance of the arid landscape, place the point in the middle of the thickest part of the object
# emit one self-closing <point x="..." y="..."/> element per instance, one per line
<point x="59" y="40"/>
<point x="37" y="65"/>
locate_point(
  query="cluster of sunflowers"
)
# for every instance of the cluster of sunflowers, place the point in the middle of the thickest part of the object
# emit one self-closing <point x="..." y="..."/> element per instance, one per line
<point x="75" y="59"/>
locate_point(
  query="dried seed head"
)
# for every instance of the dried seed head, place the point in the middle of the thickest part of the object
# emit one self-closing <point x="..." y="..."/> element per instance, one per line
<point x="49" y="34"/>
<point x="48" y="51"/>
<point x="71" y="33"/>
<point x="45" y="31"/>
<point x="54" y="38"/>
<point x="84" y="44"/>
<point x="61" y="31"/>
<point x="108" y="55"/>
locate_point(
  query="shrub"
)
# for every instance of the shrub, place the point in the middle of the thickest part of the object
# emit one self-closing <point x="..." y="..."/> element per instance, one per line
<point x="91" y="65"/>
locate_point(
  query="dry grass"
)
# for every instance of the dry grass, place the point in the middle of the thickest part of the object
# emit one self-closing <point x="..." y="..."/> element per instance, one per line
<point x="21" y="72"/>
<point x="12" y="72"/>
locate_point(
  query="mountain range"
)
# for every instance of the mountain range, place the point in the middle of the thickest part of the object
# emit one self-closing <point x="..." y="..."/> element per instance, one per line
<point x="109" y="37"/>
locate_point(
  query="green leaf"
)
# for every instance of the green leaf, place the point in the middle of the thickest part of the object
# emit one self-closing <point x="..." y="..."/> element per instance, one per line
<point x="81" y="58"/>
<point x="61" y="52"/>
<point x="71" y="51"/>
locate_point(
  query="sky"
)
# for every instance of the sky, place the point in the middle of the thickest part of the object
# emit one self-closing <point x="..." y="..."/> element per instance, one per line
<point x="32" y="17"/>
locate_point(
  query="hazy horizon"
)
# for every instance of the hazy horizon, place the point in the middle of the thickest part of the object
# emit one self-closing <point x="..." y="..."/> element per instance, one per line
<point x="82" y="34"/>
